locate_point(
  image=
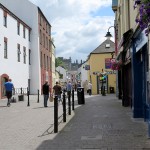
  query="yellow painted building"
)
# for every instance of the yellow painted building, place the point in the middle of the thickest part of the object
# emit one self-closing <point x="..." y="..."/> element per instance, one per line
<point x="100" y="64"/>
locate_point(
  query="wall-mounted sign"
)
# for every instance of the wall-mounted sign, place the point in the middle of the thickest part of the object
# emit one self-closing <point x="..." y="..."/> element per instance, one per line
<point x="87" y="67"/>
<point x="109" y="62"/>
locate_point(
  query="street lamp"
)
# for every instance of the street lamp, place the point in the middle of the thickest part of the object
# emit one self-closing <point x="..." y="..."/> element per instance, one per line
<point x="108" y="34"/>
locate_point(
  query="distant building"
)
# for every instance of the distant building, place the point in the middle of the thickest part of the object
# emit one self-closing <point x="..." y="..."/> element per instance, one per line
<point x="53" y="65"/>
<point x="99" y="61"/>
<point x="62" y="74"/>
<point x="68" y="65"/>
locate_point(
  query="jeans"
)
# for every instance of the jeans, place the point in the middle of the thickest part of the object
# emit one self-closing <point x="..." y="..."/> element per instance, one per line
<point x="45" y="100"/>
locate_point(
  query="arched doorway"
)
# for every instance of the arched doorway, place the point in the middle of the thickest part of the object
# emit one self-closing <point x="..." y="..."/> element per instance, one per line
<point x="4" y="78"/>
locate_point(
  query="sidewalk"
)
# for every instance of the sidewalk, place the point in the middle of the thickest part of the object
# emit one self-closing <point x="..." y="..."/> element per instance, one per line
<point x="101" y="124"/>
<point x="24" y="128"/>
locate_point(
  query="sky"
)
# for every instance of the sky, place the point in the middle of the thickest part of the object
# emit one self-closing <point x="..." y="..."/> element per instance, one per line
<point x="78" y="26"/>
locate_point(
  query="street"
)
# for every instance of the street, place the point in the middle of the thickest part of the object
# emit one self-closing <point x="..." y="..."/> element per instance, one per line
<point x="101" y="124"/>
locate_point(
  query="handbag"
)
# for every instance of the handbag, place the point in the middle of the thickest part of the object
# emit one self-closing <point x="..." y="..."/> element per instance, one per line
<point x="51" y="99"/>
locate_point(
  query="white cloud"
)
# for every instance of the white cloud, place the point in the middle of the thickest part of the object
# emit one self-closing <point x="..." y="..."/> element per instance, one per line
<point x="75" y="31"/>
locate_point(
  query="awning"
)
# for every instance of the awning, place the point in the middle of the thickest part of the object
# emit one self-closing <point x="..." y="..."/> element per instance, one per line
<point x="119" y="55"/>
<point x="125" y="38"/>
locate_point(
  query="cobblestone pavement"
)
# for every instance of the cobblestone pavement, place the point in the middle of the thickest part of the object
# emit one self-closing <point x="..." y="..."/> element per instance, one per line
<point x="24" y="127"/>
<point x="101" y="124"/>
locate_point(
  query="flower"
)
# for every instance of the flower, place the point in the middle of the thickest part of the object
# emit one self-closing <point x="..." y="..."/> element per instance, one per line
<point x="116" y="65"/>
<point x="144" y="15"/>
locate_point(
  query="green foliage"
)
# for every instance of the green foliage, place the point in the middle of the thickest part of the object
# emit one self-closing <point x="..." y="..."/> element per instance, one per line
<point x="58" y="62"/>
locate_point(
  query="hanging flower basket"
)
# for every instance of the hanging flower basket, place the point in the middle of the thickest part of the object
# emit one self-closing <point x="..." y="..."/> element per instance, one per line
<point x="116" y="65"/>
<point x="143" y="18"/>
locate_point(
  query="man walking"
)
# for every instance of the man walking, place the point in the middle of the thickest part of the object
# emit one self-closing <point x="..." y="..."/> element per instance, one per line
<point x="69" y="88"/>
<point x="9" y="88"/>
<point x="46" y="93"/>
<point x="57" y="91"/>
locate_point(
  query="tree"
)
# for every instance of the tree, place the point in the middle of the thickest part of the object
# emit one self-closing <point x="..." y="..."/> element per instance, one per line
<point x="58" y="62"/>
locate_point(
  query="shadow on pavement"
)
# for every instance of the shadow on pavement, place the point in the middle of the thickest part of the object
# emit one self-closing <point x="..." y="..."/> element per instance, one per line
<point x="43" y="107"/>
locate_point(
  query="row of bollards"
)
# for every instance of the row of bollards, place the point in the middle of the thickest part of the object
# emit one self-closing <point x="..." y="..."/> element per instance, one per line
<point x="64" y="108"/>
<point x="56" y="106"/>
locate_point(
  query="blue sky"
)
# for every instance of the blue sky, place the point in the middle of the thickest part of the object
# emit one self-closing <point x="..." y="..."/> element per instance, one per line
<point x="78" y="26"/>
<point x="103" y="11"/>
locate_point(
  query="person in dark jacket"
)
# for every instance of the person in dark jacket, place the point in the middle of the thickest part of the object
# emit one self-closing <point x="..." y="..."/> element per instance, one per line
<point x="46" y="93"/>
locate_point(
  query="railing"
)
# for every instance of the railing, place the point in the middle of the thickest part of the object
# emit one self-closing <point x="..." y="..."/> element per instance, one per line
<point x="20" y="91"/>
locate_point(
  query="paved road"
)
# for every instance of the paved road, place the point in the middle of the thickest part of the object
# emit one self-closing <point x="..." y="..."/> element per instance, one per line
<point x="101" y="124"/>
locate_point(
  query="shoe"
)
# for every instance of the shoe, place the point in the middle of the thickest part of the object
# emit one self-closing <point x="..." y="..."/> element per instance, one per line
<point x="8" y="105"/>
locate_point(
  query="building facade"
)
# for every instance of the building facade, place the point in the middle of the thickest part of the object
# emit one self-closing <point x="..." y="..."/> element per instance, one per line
<point x="15" y="50"/>
<point x="41" y="66"/>
<point x="133" y="51"/>
<point x="100" y="64"/>
<point x="83" y="75"/>
<point x="53" y="65"/>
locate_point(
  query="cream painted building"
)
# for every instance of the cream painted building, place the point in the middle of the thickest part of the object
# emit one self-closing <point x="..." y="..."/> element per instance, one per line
<point x="100" y="63"/>
<point x="53" y="64"/>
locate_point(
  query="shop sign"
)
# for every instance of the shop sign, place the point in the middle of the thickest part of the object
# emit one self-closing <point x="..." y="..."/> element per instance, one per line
<point x="141" y="40"/>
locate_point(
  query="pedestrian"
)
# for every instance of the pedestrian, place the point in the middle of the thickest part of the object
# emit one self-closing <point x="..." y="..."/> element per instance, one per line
<point x="89" y="88"/>
<point x="69" y="88"/>
<point x="78" y="84"/>
<point x="64" y="87"/>
<point x="46" y="91"/>
<point x="9" y="87"/>
<point x="57" y="91"/>
<point x="75" y="87"/>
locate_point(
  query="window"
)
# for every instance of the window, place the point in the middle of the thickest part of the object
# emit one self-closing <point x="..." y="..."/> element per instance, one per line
<point x="40" y="37"/>
<point x="18" y="52"/>
<point x="47" y="63"/>
<point x="44" y="40"/>
<point x="44" y="61"/>
<point x="49" y="45"/>
<point x="46" y="27"/>
<point x="50" y="64"/>
<point x="5" y="48"/>
<point x="18" y="28"/>
<point x="29" y="35"/>
<point x="24" y="55"/>
<point x="29" y="57"/>
<point x="5" y="19"/>
<point x="41" y="60"/>
<point x="24" y="32"/>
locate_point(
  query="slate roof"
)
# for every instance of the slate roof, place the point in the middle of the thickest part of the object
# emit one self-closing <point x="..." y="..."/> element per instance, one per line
<point x="103" y="49"/>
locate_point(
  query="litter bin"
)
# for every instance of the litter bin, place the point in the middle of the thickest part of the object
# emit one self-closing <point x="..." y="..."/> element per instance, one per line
<point x="80" y="95"/>
<point x="20" y="98"/>
<point x="111" y="89"/>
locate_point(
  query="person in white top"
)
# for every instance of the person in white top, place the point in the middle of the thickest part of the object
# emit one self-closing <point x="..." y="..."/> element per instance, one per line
<point x="89" y="88"/>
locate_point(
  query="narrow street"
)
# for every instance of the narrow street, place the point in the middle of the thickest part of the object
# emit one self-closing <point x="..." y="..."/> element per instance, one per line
<point x="101" y="124"/>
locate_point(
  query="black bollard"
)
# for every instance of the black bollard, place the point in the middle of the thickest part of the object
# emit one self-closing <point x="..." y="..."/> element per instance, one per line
<point x="64" y="107"/>
<point x="55" y="114"/>
<point x="38" y="97"/>
<point x="21" y="90"/>
<point x="28" y="97"/>
<point x="69" y="103"/>
<point x="72" y="99"/>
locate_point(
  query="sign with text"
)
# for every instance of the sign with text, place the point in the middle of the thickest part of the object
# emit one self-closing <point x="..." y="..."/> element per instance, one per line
<point x="87" y="67"/>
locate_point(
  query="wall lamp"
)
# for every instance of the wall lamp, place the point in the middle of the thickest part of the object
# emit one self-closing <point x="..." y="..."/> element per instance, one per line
<point x="108" y="35"/>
